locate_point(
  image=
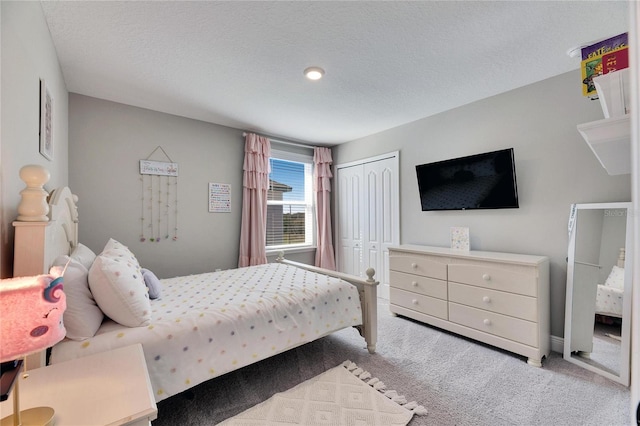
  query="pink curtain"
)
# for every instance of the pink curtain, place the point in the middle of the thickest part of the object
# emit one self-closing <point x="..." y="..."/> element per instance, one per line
<point x="322" y="185"/>
<point x="255" y="183"/>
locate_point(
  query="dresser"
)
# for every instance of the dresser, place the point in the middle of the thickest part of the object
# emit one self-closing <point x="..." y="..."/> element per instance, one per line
<point x="501" y="299"/>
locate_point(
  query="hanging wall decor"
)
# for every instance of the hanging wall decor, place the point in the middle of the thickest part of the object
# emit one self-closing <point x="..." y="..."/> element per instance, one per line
<point x="219" y="198"/>
<point x="159" y="199"/>
<point x="46" y="120"/>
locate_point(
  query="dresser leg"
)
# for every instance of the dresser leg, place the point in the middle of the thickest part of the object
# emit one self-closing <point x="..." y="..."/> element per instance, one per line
<point x="534" y="362"/>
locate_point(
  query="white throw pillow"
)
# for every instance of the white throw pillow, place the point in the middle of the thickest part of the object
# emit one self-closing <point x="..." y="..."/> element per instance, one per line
<point x="117" y="285"/>
<point x="83" y="317"/>
<point x="84" y="255"/>
<point x="615" y="278"/>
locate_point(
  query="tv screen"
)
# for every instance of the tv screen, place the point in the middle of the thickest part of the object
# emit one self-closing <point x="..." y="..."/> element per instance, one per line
<point x="481" y="181"/>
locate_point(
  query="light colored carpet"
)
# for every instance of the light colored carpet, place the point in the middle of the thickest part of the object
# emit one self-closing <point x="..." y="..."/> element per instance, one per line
<point x="459" y="381"/>
<point x="345" y="395"/>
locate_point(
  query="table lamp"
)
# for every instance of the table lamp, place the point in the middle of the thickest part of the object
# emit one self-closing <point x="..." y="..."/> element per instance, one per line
<point x="30" y="321"/>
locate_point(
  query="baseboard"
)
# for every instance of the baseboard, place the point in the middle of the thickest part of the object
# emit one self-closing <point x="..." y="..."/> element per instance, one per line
<point x="557" y="344"/>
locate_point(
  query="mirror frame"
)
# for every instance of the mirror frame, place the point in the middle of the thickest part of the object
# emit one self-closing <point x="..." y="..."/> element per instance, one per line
<point x="624" y="376"/>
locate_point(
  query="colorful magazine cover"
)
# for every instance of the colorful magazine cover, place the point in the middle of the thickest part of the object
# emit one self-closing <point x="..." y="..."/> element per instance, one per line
<point x="603" y="57"/>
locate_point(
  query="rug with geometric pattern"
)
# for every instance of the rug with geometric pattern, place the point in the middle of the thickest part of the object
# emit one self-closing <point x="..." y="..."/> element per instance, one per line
<point x="346" y="395"/>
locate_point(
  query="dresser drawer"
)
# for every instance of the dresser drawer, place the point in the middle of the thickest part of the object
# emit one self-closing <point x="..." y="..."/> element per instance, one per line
<point x="418" y="302"/>
<point x="416" y="264"/>
<point x="515" y="329"/>
<point x="510" y="304"/>
<point x="494" y="277"/>
<point x="418" y="284"/>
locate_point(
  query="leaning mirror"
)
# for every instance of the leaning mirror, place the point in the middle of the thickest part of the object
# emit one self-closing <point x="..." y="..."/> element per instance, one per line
<point x="598" y="304"/>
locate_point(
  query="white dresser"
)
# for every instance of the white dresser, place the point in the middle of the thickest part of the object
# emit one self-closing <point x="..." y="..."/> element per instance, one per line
<point x="501" y="299"/>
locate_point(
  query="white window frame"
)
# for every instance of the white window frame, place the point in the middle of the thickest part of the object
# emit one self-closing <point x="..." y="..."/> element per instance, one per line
<point x="309" y="203"/>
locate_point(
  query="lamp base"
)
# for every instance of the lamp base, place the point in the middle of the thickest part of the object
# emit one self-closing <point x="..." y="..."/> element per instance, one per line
<point x="38" y="416"/>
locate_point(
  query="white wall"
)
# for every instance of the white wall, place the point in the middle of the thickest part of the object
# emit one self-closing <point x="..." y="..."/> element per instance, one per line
<point x="554" y="168"/>
<point x="28" y="55"/>
<point x="107" y="141"/>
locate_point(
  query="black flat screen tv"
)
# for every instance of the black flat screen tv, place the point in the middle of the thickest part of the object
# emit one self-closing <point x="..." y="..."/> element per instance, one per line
<point x="481" y="181"/>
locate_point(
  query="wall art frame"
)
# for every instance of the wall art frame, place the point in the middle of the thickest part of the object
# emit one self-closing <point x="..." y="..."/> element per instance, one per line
<point x="46" y="121"/>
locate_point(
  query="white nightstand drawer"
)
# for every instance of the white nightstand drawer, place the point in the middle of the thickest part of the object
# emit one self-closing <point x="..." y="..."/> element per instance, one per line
<point x="416" y="264"/>
<point x="418" y="284"/>
<point x="495" y="277"/>
<point x="515" y="305"/>
<point x="417" y="302"/>
<point x="515" y="329"/>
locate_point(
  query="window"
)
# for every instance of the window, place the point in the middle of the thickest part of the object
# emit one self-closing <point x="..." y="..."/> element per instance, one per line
<point x="290" y="212"/>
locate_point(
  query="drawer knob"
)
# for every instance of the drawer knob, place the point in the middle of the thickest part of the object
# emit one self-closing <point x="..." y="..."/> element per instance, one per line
<point x="414" y="265"/>
<point x="414" y="283"/>
<point x="487" y="321"/>
<point x="486" y="277"/>
<point x="414" y="301"/>
<point x="486" y="299"/>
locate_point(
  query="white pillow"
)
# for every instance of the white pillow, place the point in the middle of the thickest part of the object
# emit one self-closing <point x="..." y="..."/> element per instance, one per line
<point x="117" y="285"/>
<point x="84" y="255"/>
<point x="615" y="278"/>
<point x="83" y="317"/>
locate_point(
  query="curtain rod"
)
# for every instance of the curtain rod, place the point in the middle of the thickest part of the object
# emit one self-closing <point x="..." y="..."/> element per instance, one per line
<point x="300" y="145"/>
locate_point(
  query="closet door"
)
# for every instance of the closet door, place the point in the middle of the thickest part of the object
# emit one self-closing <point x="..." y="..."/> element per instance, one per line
<point x="350" y="220"/>
<point x="368" y="216"/>
<point x="380" y="217"/>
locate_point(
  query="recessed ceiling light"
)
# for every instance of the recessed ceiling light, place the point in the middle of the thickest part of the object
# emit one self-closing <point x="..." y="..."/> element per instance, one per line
<point x="314" y="73"/>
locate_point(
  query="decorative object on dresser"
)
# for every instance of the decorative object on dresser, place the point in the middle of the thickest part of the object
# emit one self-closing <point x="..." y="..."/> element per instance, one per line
<point x="31" y="309"/>
<point x="599" y="281"/>
<point x="497" y="298"/>
<point x="234" y="317"/>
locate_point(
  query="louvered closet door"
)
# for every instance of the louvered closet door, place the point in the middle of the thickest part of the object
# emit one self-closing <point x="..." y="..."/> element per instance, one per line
<point x="368" y="217"/>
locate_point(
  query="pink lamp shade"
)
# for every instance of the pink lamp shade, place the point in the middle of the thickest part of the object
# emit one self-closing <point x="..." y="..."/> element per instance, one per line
<point x="30" y="315"/>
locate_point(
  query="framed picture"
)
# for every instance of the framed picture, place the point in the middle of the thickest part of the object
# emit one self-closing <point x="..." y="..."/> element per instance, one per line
<point x="46" y="120"/>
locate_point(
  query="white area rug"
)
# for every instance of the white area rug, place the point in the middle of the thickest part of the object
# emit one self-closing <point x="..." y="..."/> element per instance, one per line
<point x="346" y="395"/>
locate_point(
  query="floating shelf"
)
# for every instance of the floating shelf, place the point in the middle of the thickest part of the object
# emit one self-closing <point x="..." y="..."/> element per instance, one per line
<point x="610" y="141"/>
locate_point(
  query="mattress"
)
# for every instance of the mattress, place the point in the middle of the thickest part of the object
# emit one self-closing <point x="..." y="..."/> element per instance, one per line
<point x="609" y="301"/>
<point x="209" y="324"/>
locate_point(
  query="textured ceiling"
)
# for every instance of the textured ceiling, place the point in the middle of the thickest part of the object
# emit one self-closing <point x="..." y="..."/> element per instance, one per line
<point x="240" y="63"/>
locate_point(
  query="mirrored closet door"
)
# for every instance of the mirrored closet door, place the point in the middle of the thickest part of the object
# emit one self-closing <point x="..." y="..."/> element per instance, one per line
<point x="598" y="304"/>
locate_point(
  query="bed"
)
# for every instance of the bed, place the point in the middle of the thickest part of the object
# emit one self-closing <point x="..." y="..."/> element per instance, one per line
<point x="199" y="326"/>
<point x="609" y="295"/>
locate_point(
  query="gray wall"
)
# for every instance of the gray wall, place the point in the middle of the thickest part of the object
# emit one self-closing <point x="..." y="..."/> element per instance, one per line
<point x="28" y="55"/>
<point x="108" y="139"/>
<point x="554" y="168"/>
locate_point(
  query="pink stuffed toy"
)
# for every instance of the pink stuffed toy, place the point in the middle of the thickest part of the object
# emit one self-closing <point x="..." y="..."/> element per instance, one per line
<point x="30" y="314"/>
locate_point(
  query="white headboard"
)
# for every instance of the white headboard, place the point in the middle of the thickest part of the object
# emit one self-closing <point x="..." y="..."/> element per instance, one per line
<point x="621" y="256"/>
<point x="37" y="243"/>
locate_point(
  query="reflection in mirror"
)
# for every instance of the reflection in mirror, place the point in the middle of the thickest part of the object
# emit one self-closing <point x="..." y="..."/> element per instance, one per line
<point x="598" y="290"/>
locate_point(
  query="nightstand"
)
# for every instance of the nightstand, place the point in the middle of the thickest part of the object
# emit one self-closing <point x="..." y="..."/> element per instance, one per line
<point x="109" y="388"/>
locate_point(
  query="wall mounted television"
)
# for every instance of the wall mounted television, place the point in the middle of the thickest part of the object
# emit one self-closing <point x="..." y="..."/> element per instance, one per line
<point x="481" y="181"/>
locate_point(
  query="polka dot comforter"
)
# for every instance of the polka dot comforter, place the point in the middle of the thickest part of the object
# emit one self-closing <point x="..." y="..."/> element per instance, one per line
<point x="206" y="325"/>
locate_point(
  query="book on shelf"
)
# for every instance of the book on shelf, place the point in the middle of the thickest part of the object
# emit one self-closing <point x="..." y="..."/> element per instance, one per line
<point x="601" y="58"/>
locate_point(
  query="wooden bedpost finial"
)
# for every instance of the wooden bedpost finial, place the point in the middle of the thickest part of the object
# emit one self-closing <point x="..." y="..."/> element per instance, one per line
<point x="33" y="206"/>
<point x="370" y="273"/>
